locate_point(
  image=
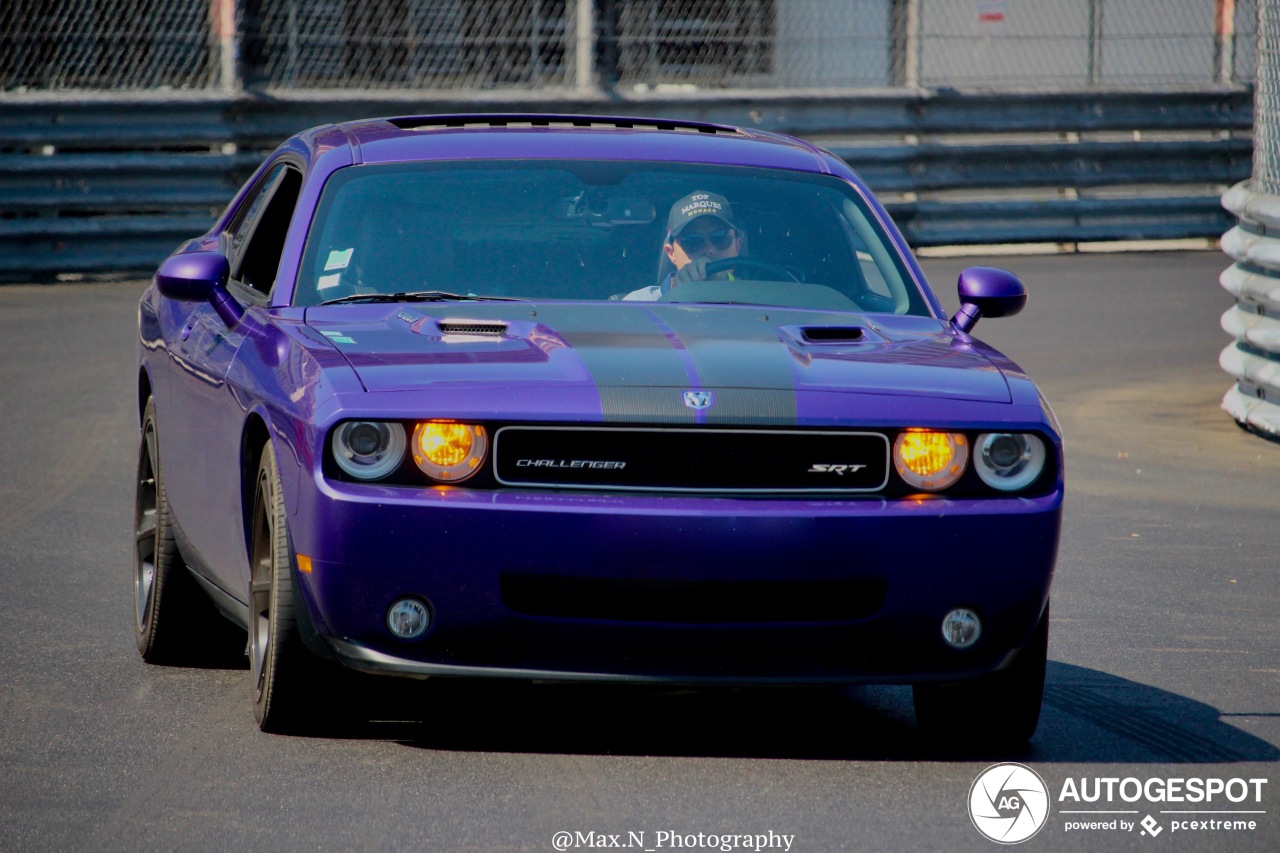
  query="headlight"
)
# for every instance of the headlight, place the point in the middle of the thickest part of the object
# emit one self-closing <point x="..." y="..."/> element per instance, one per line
<point x="368" y="450"/>
<point x="930" y="460"/>
<point x="449" y="452"/>
<point x="1009" y="461"/>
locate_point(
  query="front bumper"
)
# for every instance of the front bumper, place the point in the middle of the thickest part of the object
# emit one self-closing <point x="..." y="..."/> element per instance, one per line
<point x="578" y="586"/>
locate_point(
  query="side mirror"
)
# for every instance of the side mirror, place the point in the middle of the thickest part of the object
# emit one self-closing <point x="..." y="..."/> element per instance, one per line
<point x="198" y="276"/>
<point x="192" y="277"/>
<point x="987" y="292"/>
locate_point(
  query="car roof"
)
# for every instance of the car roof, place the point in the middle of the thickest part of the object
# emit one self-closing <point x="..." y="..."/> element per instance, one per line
<point x="539" y="136"/>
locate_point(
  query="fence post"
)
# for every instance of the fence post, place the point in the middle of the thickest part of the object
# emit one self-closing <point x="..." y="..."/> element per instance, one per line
<point x="1224" y="44"/>
<point x="222" y="15"/>
<point x="1095" y="42"/>
<point x="584" y="47"/>
<point x="911" y="58"/>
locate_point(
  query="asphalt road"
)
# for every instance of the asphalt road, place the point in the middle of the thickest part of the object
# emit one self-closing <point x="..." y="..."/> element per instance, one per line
<point x="1164" y="652"/>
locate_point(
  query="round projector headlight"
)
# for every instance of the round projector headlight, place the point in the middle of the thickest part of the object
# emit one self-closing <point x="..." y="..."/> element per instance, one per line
<point x="1009" y="461"/>
<point x="449" y="452"/>
<point x="930" y="460"/>
<point x="368" y="450"/>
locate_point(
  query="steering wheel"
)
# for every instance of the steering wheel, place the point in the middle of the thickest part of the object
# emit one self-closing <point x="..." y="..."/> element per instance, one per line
<point x="774" y="272"/>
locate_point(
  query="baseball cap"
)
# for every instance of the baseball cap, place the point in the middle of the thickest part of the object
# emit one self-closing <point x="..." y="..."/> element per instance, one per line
<point x="695" y="204"/>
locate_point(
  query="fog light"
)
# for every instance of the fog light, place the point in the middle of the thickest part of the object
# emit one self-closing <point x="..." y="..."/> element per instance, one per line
<point x="961" y="628"/>
<point x="408" y="618"/>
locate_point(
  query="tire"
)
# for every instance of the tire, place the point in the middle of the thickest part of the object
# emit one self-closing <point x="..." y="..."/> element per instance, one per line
<point x="172" y="616"/>
<point x="1002" y="709"/>
<point x="285" y="674"/>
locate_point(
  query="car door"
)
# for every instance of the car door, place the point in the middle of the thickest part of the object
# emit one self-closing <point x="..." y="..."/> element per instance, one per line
<point x="202" y="424"/>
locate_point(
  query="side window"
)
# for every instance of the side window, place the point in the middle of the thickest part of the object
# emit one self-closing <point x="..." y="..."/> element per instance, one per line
<point x="258" y="239"/>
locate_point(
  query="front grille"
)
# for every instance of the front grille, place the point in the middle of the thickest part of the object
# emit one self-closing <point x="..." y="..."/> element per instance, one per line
<point x="692" y="602"/>
<point x="692" y="460"/>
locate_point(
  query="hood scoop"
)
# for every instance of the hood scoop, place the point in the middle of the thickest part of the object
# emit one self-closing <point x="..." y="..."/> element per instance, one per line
<point x="833" y="334"/>
<point x="806" y="338"/>
<point x="473" y="328"/>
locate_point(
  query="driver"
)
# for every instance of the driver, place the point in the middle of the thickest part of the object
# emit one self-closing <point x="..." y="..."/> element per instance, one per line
<point x="700" y="230"/>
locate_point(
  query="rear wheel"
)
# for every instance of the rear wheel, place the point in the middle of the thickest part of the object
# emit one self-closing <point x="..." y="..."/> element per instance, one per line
<point x="284" y="673"/>
<point x="171" y="615"/>
<point x="1002" y="709"/>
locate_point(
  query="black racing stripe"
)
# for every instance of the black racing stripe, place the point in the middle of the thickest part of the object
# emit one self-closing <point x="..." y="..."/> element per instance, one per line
<point x="639" y="372"/>
<point x="753" y="406"/>
<point x="642" y="359"/>
<point x="738" y="355"/>
<point x="632" y="405"/>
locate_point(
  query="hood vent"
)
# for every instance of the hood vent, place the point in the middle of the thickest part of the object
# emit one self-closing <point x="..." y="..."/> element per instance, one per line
<point x="472" y="327"/>
<point x="833" y="334"/>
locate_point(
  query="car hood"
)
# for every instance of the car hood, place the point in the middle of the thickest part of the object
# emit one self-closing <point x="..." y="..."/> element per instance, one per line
<point x="621" y="349"/>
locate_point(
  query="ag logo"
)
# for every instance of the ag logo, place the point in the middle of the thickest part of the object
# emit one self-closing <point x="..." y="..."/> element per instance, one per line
<point x="1008" y="803"/>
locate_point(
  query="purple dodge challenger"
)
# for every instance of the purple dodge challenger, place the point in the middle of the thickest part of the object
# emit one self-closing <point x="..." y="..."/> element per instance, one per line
<point x="588" y="399"/>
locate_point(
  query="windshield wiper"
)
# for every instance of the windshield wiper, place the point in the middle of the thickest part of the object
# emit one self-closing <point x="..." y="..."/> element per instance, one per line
<point x="421" y="296"/>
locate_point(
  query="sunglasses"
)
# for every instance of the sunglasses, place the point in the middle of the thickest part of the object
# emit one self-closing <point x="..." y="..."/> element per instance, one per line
<point x="696" y="241"/>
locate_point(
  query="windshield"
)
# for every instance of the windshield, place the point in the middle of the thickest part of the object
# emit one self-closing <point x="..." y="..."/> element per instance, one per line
<point x="599" y="231"/>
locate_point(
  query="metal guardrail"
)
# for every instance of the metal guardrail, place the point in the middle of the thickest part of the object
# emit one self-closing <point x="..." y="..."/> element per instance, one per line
<point x="1254" y="321"/>
<point x="112" y="184"/>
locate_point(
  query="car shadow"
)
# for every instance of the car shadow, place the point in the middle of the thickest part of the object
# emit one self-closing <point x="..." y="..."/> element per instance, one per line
<point x="222" y="646"/>
<point x="1088" y="717"/>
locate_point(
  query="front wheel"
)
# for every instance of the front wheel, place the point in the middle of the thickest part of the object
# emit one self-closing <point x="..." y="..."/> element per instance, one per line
<point x="172" y="617"/>
<point x="283" y="671"/>
<point x="1002" y="709"/>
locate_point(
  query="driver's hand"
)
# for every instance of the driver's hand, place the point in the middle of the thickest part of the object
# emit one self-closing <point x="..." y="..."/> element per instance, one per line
<point x="695" y="270"/>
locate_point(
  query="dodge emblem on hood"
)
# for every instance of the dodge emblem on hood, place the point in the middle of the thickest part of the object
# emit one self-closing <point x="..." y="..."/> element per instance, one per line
<point x="699" y="399"/>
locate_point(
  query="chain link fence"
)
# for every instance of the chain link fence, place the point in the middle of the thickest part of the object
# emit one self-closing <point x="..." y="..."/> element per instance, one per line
<point x="1057" y="43"/>
<point x="628" y="45"/>
<point x="51" y="45"/>
<point x="418" y="44"/>
<point x="1266" y="99"/>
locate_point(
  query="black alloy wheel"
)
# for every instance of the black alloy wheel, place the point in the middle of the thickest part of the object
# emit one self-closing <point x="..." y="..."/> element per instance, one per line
<point x="171" y="615"/>
<point x="285" y="674"/>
